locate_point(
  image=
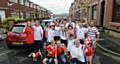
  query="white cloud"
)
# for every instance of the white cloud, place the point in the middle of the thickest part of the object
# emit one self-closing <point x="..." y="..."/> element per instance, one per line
<point x="56" y="6"/>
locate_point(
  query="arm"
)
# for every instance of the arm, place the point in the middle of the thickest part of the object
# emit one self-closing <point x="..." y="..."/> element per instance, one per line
<point x="97" y="33"/>
<point x="41" y="32"/>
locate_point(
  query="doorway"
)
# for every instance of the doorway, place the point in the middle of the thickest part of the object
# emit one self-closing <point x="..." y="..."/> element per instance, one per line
<point x="102" y="13"/>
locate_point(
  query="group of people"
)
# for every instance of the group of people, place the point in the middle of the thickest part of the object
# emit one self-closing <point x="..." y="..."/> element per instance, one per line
<point x="65" y="41"/>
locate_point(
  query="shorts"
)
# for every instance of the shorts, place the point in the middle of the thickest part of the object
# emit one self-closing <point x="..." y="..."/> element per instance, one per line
<point x="50" y="57"/>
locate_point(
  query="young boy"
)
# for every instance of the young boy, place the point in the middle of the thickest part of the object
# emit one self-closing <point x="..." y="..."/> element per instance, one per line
<point x="52" y="53"/>
<point x="61" y="49"/>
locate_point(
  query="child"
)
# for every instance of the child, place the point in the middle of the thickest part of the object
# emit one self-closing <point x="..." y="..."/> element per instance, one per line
<point x="52" y="53"/>
<point x="89" y="52"/>
<point x="61" y="49"/>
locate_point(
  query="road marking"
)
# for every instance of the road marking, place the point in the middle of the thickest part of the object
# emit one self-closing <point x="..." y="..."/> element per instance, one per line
<point x="5" y="52"/>
<point x="21" y="59"/>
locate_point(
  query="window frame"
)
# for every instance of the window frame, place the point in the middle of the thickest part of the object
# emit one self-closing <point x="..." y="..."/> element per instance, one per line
<point x="116" y="8"/>
<point x="15" y="14"/>
<point x="94" y="12"/>
<point x="21" y="2"/>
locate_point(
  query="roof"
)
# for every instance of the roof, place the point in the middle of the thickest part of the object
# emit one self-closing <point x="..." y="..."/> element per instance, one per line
<point x="24" y="23"/>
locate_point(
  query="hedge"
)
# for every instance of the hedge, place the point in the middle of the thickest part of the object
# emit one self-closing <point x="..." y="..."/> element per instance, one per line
<point x="5" y="23"/>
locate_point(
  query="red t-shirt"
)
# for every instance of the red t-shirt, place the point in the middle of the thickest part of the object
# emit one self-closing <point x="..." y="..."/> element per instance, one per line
<point x="37" y="54"/>
<point x="60" y="50"/>
<point x="30" y="35"/>
<point x="51" y="51"/>
<point x="89" y="52"/>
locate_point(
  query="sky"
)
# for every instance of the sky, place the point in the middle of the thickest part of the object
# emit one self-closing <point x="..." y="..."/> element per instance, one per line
<point x="56" y="6"/>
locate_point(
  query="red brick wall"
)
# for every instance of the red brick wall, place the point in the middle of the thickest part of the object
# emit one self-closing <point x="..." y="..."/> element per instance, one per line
<point x="108" y="15"/>
<point x="3" y="3"/>
<point x="94" y="2"/>
<point x="15" y="7"/>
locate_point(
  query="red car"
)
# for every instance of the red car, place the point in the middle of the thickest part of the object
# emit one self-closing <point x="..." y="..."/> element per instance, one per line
<point x="17" y="37"/>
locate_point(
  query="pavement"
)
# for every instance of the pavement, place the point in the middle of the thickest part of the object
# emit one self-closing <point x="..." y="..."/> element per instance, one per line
<point x="110" y="43"/>
<point x="108" y="50"/>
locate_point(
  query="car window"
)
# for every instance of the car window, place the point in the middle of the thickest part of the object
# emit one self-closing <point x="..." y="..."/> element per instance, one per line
<point x="18" y="28"/>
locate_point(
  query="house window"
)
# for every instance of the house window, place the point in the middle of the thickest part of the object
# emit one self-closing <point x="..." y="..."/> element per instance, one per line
<point x="15" y="1"/>
<point x="15" y="14"/>
<point x="2" y="15"/>
<point x="21" y="15"/>
<point x="116" y="11"/>
<point x="27" y="15"/>
<point x="21" y="2"/>
<point x="27" y="2"/>
<point x="31" y="5"/>
<point x="34" y="6"/>
<point x="94" y="12"/>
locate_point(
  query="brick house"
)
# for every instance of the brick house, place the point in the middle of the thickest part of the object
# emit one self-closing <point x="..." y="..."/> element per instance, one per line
<point x="106" y="13"/>
<point x="21" y="9"/>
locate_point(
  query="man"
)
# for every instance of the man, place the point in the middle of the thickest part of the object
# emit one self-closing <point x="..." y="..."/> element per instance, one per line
<point x="38" y="35"/>
<point x="80" y="31"/>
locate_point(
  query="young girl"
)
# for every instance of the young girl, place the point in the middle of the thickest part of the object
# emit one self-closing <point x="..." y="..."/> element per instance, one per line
<point x="89" y="53"/>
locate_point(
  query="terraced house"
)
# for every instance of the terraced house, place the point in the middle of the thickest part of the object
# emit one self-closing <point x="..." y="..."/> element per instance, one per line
<point x="105" y="13"/>
<point x="21" y="9"/>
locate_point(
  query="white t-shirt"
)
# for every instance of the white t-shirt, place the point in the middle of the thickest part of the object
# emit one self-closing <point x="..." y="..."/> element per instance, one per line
<point x="57" y="31"/>
<point x="77" y="52"/>
<point x="50" y="35"/>
<point x="64" y="35"/>
<point x="80" y="33"/>
<point x="70" y="44"/>
<point x="38" y="32"/>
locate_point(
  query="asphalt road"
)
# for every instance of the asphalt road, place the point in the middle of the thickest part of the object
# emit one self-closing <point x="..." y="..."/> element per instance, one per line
<point x="13" y="56"/>
<point x="20" y="56"/>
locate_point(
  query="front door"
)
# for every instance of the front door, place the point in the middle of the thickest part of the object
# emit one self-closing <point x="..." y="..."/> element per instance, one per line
<point x="102" y="11"/>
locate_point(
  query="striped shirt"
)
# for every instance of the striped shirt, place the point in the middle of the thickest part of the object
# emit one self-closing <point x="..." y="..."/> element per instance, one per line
<point x="92" y="31"/>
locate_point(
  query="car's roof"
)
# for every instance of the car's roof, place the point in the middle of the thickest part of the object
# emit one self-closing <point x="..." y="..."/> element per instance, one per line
<point x="24" y="23"/>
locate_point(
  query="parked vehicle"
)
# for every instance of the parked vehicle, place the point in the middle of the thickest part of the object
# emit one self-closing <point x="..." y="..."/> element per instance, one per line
<point x="16" y="36"/>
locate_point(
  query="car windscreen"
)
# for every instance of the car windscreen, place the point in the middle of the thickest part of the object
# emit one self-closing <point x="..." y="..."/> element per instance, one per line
<point x="18" y="28"/>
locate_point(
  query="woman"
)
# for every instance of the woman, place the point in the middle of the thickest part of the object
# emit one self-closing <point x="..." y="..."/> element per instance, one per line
<point x="30" y="33"/>
<point x="64" y="36"/>
<point x="50" y="33"/>
<point x="57" y="31"/>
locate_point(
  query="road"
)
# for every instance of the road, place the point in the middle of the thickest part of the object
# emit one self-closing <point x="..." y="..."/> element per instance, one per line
<point x="20" y="56"/>
<point x="14" y="56"/>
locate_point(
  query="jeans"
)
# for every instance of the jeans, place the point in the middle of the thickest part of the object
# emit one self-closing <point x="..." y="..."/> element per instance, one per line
<point x="62" y="59"/>
<point x="76" y="61"/>
<point x="38" y="45"/>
